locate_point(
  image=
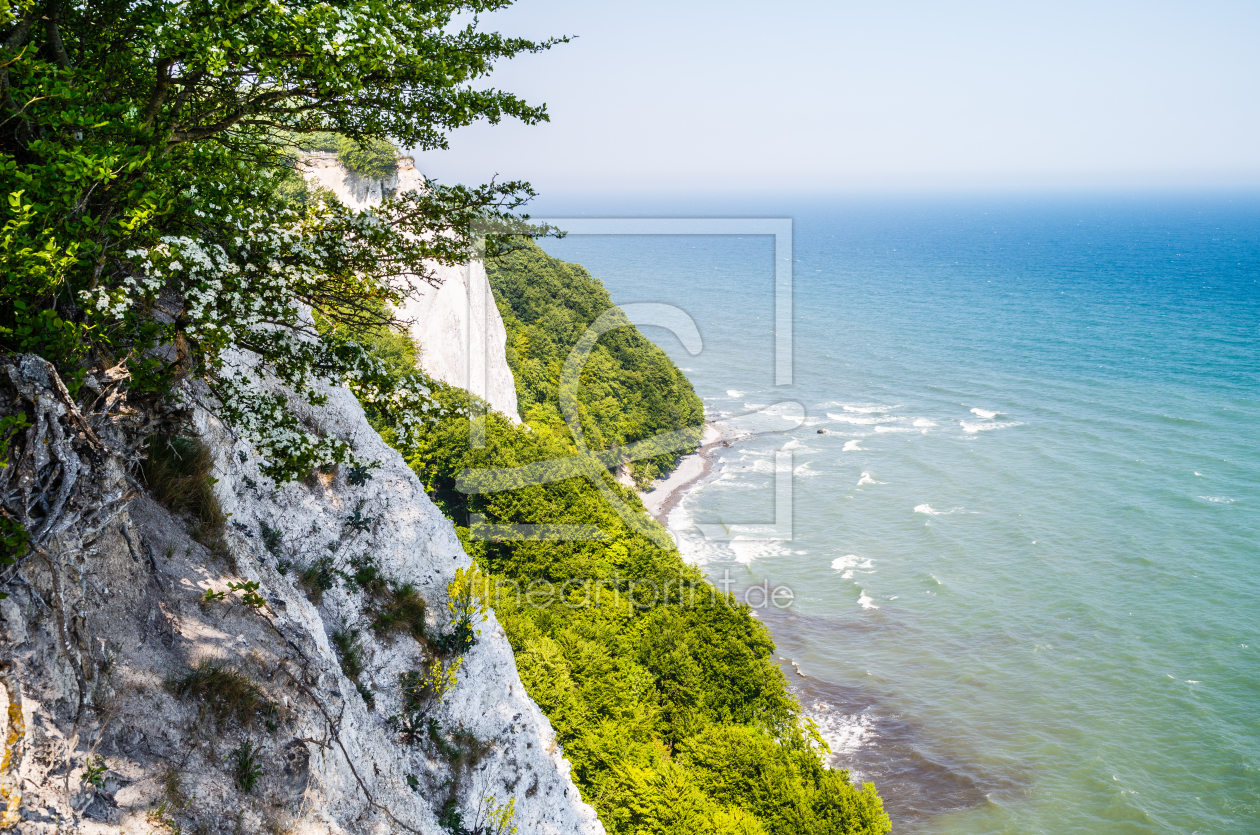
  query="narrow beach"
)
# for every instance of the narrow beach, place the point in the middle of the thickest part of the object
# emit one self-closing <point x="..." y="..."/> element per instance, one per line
<point x="668" y="492"/>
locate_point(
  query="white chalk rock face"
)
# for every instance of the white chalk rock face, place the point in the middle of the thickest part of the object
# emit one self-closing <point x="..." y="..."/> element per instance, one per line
<point x="331" y="757"/>
<point x="456" y="324"/>
<point x="411" y="542"/>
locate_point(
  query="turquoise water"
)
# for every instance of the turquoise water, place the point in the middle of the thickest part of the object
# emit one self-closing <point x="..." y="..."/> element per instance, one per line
<point x="1024" y="554"/>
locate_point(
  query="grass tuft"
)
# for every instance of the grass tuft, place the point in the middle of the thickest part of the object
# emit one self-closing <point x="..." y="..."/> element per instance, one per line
<point x="272" y="539"/>
<point x="226" y="692"/>
<point x="245" y="767"/>
<point x="401" y="610"/>
<point x="176" y="469"/>
<point x="349" y="652"/>
<point x="317" y="578"/>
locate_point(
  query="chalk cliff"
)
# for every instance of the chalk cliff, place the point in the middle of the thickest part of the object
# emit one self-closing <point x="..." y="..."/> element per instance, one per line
<point x="117" y="604"/>
<point x="456" y="324"/>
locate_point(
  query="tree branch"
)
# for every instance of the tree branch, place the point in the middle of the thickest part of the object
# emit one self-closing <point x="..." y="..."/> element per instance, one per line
<point x="161" y="86"/>
<point x="58" y="49"/>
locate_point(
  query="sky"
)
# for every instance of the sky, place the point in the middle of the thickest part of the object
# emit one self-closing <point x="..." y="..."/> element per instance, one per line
<point x="724" y="97"/>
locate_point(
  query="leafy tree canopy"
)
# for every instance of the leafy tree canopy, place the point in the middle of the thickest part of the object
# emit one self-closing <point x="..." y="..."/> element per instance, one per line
<point x="629" y="390"/>
<point x="145" y="149"/>
<point x="663" y="691"/>
<point x="376" y="159"/>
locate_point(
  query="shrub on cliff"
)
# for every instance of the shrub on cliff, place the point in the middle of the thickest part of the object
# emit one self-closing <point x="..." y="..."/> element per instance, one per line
<point x="375" y="159"/>
<point x="144" y="150"/>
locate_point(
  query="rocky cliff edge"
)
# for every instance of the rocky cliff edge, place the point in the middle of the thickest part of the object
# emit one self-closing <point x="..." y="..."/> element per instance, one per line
<point x="111" y="615"/>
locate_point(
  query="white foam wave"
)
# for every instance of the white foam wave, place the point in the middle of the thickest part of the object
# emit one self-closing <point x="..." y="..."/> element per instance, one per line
<point x="884" y="429"/>
<point x="804" y="471"/>
<point x="694" y="548"/>
<point x="868" y="479"/>
<point x="865" y="601"/>
<point x="867" y="410"/>
<point x="844" y="733"/>
<point x="923" y="423"/>
<point x="928" y="510"/>
<point x="1218" y="499"/>
<point x="972" y="428"/>
<point x="859" y="420"/>
<point x="748" y="549"/>
<point x="852" y="446"/>
<point x="847" y="564"/>
<point x="734" y="393"/>
<point x="731" y="481"/>
<point x="985" y="413"/>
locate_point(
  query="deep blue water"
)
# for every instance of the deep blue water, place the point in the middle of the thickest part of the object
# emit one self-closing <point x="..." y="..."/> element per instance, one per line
<point x="1024" y="554"/>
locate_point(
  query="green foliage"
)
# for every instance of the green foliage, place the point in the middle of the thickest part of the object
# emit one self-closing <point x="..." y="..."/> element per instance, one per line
<point x="150" y="212"/>
<point x="14" y="541"/>
<point x="245" y="767"/>
<point x="494" y="818"/>
<point x="390" y="345"/>
<point x="422" y="691"/>
<point x="629" y="390"/>
<point x="272" y="539"/>
<point x="466" y="604"/>
<point x="359" y="475"/>
<point x="357" y="520"/>
<point x="226" y="692"/>
<point x="176" y="469"/>
<point x="450" y="818"/>
<point x="349" y="652"/>
<point x="249" y="593"/>
<point x="317" y="578"/>
<point x="10" y="426"/>
<point x="366" y="576"/>
<point x="402" y="609"/>
<point x="374" y="159"/>
<point x="633" y="657"/>
<point x="212" y="596"/>
<point x="94" y="771"/>
<point x="458" y="747"/>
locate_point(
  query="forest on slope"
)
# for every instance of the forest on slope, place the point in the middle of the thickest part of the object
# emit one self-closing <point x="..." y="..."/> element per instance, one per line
<point x="629" y="389"/>
<point x="662" y="690"/>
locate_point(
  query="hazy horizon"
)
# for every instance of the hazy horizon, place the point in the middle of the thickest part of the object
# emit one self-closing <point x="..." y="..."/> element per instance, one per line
<point x="838" y="97"/>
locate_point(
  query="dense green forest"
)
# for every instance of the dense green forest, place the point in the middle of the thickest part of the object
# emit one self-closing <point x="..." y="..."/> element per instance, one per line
<point x="663" y="692"/>
<point x="630" y="391"/>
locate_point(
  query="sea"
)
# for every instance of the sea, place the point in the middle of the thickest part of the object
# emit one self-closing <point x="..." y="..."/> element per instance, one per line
<point x="1020" y="456"/>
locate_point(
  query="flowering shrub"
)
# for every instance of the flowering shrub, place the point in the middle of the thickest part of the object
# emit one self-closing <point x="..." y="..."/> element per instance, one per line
<point x="145" y="153"/>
